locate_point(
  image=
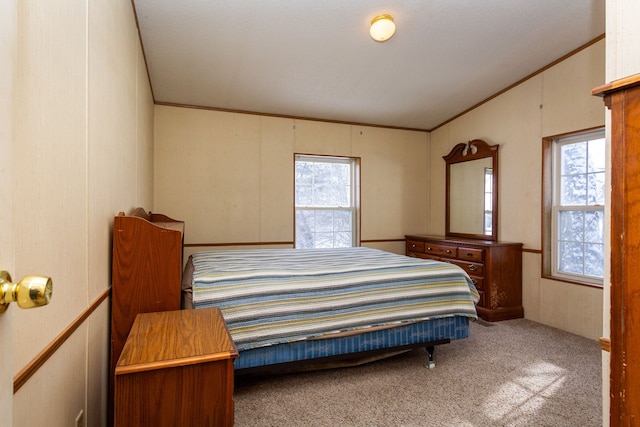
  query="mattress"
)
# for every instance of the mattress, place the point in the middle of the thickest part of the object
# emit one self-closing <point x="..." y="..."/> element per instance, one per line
<point x="277" y="296"/>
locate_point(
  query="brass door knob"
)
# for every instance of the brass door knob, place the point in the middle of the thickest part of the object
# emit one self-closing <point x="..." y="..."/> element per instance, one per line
<point x="30" y="292"/>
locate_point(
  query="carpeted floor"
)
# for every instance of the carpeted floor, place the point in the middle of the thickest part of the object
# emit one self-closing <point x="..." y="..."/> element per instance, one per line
<point x="513" y="373"/>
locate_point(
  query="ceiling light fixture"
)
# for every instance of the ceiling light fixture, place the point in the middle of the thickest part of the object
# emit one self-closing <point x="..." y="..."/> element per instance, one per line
<point x="382" y="27"/>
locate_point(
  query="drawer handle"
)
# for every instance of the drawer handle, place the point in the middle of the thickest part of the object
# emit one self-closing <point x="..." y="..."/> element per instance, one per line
<point x="413" y="245"/>
<point x="428" y="249"/>
<point x="469" y="254"/>
<point x="448" y="251"/>
<point x="473" y="267"/>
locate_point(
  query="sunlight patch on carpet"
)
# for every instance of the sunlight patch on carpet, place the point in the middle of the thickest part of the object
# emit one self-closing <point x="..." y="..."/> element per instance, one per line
<point x="525" y="394"/>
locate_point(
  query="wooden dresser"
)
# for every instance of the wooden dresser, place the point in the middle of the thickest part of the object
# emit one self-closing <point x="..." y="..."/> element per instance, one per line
<point x="495" y="268"/>
<point x="176" y="369"/>
<point x="146" y="274"/>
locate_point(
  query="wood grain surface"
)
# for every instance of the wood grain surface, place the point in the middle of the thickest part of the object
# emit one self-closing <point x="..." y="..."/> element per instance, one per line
<point x="176" y="369"/>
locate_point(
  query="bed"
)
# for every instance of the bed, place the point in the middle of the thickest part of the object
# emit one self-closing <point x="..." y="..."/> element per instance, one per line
<point x="292" y="309"/>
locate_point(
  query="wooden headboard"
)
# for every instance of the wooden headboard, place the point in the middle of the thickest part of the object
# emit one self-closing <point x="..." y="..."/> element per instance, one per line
<point x="146" y="273"/>
<point x="139" y="212"/>
<point x="158" y="219"/>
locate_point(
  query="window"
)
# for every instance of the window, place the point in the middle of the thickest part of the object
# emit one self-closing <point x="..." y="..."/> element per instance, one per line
<point x="577" y="170"/>
<point x="488" y="201"/>
<point x="326" y="202"/>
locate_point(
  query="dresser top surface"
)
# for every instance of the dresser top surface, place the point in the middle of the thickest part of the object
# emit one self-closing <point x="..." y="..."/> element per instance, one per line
<point x="459" y="240"/>
<point x="176" y="338"/>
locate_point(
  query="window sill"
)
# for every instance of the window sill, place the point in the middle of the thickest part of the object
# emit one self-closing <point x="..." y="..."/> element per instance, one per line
<point x="573" y="282"/>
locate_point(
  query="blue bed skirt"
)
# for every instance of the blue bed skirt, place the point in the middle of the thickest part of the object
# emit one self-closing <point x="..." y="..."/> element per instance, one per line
<point x="413" y="334"/>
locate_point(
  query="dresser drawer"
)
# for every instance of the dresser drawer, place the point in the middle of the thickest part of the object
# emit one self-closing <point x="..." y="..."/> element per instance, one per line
<point x="471" y="254"/>
<point x="472" y="268"/>
<point x="440" y="250"/>
<point x="414" y="246"/>
<point x="478" y="282"/>
<point x="422" y="255"/>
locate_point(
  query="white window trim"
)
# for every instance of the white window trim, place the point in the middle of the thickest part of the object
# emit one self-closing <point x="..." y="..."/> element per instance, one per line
<point x="556" y="207"/>
<point x="488" y="207"/>
<point x="354" y="187"/>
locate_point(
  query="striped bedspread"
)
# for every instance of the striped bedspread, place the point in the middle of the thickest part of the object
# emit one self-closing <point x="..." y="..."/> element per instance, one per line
<point x="282" y="295"/>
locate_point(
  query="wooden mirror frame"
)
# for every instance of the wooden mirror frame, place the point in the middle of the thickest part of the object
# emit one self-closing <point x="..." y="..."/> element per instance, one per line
<point x="473" y="150"/>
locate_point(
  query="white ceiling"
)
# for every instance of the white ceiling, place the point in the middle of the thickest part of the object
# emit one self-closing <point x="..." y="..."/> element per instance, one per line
<point x="315" y="59"/>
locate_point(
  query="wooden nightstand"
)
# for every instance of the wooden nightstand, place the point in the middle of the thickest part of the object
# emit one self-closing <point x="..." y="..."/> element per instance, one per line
<point x="176" y="369"/>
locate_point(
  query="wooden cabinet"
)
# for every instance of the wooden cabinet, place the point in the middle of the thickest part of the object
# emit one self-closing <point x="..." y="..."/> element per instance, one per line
<point x="495" y="268"/>
<point x="622" y="97"/>
<point x="176" y="369"/>
<point x="146" y="274"/>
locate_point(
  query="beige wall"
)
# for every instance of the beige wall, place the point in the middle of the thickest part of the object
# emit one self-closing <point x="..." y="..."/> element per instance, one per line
<point x="554" y="102"/>
<point x="229" y="176"/>
<point x="83" y="152"/>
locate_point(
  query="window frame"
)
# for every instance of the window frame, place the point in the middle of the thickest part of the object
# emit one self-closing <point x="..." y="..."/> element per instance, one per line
<point x="550" y="209"/>
<point x="354" y="162"/>
<point x="487" y="225"/>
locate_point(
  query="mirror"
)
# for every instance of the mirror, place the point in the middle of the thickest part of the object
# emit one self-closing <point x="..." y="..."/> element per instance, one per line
<point x="472" y="191"/>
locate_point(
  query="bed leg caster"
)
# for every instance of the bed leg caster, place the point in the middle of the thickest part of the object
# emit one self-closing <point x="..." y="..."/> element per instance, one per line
<point x="430" y="362"/>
